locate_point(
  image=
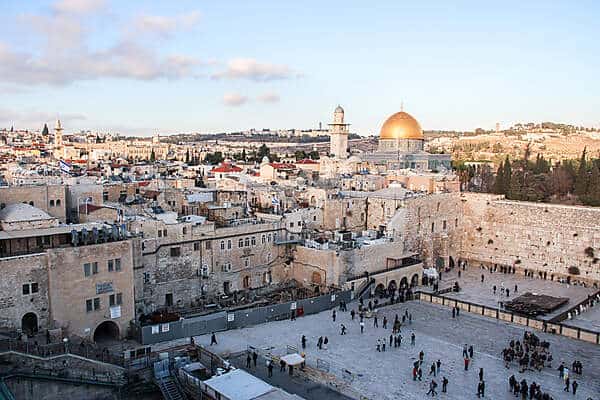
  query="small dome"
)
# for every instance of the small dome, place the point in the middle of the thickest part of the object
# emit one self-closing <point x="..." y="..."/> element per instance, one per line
<point x="339" y="109"/>
<point x="401" y="125"/>
<point x="265" y="160"/>
<point x="21" y="212"/>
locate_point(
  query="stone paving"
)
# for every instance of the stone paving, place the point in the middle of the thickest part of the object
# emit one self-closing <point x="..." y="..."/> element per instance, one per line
<point x="388" y="375"/>
<point x="474" y="291"/>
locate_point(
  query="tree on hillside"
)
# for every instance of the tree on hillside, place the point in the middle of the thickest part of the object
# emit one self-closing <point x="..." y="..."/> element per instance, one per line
<point x="582" y="178"/>
<point x="44" y="131"/>
<point x="499" y="181"/>
<point x="507" y="176"/>
<point x="592" y="196"/>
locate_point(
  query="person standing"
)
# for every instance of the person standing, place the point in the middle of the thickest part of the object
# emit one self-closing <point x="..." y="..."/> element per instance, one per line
<point x="303" y="342"/>
<point x="333" y="316"/>
<point x="270" y="368"/>
<point x="375" y="324"/>
<point x="248" y="361"/>
<point x="465" y="351"/>
<point x="445" y="383"/>
<point x="384" y="322"/>
<point x="432" y="369"/>
<point x="254" y="358"/>
<point x="567" y="384"/>
<point x="471" y="352"/>
<point x="343" y="330"/>
<point x="480" y="374"/>
<point x="453" y="312"/>
<point x="213" y="339"/>
<point x="352" y="314"/>
<point x="412" y="338"/>
<point x="438" y="365"/>
<point x="574" y="385"/>
<point x="467" y="363"/>
<point x="362" y="327"/>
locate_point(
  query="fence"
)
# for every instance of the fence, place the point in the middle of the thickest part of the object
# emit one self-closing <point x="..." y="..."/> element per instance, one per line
<point x="223" y="320"/>
<point x="507" y="316"/>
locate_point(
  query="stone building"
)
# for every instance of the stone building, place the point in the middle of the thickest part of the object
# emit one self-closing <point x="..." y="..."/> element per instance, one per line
<point x="78" y="278"/>
<point x="49" y="198"/>
<point x="338" y="134"/>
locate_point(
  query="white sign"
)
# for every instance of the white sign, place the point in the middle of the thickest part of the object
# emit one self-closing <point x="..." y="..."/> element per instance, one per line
<point x="155" y="329"/>
<point x="164" y="327"/>
<point x="332" y="298"/>
<point x="293" y="306"/>
<point x="115" y="312"/>
<point x="230" y="317"/>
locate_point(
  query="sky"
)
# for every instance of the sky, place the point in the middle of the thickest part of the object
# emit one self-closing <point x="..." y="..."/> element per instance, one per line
<point x="145" y="67"/>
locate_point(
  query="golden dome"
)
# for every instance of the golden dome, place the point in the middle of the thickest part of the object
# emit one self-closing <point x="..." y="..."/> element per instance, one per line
<point x="401" y="126"/>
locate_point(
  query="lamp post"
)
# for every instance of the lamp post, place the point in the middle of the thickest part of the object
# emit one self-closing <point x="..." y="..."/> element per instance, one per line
<point x="66" y="344"/>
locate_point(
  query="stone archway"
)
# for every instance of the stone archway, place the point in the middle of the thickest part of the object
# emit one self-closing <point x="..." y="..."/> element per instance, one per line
<point x="380" y="290"/>
<point x="414" y="281"/>
<point x="29" y="324"/>
<point x="392" y="286"/>
<point x="106" y="331"/>
<point x="404" y="283"/>
<point x="316" y="278"/>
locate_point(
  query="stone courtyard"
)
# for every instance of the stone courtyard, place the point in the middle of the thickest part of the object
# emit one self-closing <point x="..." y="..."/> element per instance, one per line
<point x="387" y="375"/>
<point x="474" y="291"/>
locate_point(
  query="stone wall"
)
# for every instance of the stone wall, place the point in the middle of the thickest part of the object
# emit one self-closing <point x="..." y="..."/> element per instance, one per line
<point x="533" y="236"/>
<point x="14" y="304"/>
<point x="50" y="198"/>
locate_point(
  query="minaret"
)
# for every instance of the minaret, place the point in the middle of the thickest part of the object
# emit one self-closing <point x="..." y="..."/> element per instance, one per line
<point x="58" y="134"/>
<point x="338" y="134"/>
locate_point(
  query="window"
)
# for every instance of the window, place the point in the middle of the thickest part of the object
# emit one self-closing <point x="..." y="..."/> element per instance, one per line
<point x="432" y="227"/>
<point x="263" y="239"/>
<point x="51" y="203"/>
<point x="175" y="251"/>
<point x="146" y="277"/>
<point x="456" y="223"/>
<point x="169" y="299"/>
<point x="111" y="265"/>
<point x="92" y="304"/>
<point x="226" y="267"/>
<point x="444" y="225"/>
<point x="291" y="224"/>
<point x="196" y="246"/>
<point x="164" y="232"/>
<point x="222" y="245"/>
<point x="246" y="263"/>
<point x="57" y="202"/>
<point x="184" y="230"/>
<point x="253" y="240"/>
<point x="159" y="233"/>
<point x="117" y="264"/>
<point x="90" y="269"/>
<point x="207" y="245"/>
<point x="247" y="242"/>
<point x="269" y="238"/>
<point x="105" y="196"/>
<point x="240" y="243"/>
<point x="34" y="287"/>
<point x="115" y="299"/>
<point x="26" y="289"/>
<point x="229" y="245"/>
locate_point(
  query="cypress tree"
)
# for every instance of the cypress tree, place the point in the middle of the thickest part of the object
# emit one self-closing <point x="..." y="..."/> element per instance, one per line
<point x="507" y="175"/>
<point x="499" y="182"/>
<point x="582" y="178"/>
<point x="44" y="131"/>
<point x="592" y="197"/>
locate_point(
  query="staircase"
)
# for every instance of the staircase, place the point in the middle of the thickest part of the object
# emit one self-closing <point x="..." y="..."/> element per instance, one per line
<point x="364" y="288"/>
<point x="169" y="388"/>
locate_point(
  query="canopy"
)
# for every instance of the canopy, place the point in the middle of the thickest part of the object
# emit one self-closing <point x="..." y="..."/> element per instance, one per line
<point x="293" y="359"/>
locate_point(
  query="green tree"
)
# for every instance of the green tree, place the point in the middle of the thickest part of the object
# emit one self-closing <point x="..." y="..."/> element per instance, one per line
<point x="152" y="156"/>
<point x="300" y="155"/>
<point x="582" y="178"/>
<point x="263" y="151"/>
<point x="592" y="196"/>
<point x="515" y="190"/>
<point x="44" y="131"/>
<point x="244" y="157"/>
<point x="507" y="176"/>
<point x="499" y="181"/>
<point x="314" y="155"/>
<point x="187" y="156"/>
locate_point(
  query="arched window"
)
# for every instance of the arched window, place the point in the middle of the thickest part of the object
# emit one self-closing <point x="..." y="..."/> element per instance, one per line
<point x="57" y="202"/>
<point x="51" y="203"/>
<point x="222" y="245"/>
<point x="229" y="245"/>
<point x="247" y="242"/>
<point x="263" y="239"/>
<point x="241" y="243"/>
<point x="253" y="240"/>
<point x="246" y="282"/>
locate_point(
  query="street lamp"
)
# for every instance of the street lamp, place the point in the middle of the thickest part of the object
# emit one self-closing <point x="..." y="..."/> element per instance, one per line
<point x="66" y="343"/>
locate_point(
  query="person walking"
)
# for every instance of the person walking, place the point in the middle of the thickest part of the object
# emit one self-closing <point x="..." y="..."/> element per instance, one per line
<point x="303" y="342"/>
<point x="465" y="351"/>
<point x="281" y="366"/>
<point x="254" y="358"/>
<point x="471" y="352"/>
<point x="375" y="324"/>
<point x="325" y="342"/>
<point x="248" y="361"/>
<point x="352" y="314"/>
<point x="481" y="389"/>
<point x="444" y="385"/>
<point x="384" y="322"/>
<point x="482" y="278"/>
<point x="453" y="312"/>
<point x="567" y="384"/>
<point x="343" y="330"/>
<point x="410" y="319"/>
<point x="333" y="316"/>
<point x="412" y="338"/>
<point x="362" y="327"/>
<point x="438" y="365"/>
<point x="432" y="369"/>
<point x="480" y="374"/>
<point x="457" y="312"/>
<point x="432" y="386"/>
<point x="467" y="363"/>
<point x="270" y="368"/>
<point x="574" y="385"/>
<point x="213" y="339"/>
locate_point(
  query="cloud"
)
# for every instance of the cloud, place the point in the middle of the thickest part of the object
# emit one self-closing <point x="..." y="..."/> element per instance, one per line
<point x="249" y="68"/>
<point x="34" y="119"/>
<point x="234" y="100"/>
<point x="269" y="97"/>
<point x="65" y="55"/>
<point x="165" y="26"/>
<point x="78" y="6"/>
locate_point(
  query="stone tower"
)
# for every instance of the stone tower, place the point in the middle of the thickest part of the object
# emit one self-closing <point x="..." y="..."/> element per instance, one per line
<point x="338" y="134"/>
<point x="58" y="134"/>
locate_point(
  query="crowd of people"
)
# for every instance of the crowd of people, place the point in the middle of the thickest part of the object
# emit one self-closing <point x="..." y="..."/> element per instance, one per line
<point x="532" y="354"/>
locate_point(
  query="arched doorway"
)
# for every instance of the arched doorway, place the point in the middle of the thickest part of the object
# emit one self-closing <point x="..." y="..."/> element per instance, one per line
<point x="246" y="282"/>
<point x="106" y="331"/>
<point x="404" y="283"/>
<point x="392" y="286"/>
<point x="29" y="324"/>
<point x="316" y="278"/>
<point x="451" y="262"/>
<point x="380" y="290"/>
<point x="414" y="280"/>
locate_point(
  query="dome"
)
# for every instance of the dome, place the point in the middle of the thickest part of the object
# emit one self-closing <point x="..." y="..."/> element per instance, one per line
<point x="21" y="212"/>
<point x="339" y="109"/>
<point x="401" y="125"/>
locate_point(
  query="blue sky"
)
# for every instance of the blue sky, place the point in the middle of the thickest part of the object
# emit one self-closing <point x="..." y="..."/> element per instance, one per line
<point x="209" y="66"/>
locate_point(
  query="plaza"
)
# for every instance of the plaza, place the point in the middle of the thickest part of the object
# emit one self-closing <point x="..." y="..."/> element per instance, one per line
<point x="387" y="375"/>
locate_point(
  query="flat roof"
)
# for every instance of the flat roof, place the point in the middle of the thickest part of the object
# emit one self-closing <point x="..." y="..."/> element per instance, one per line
<point x="238" y="385"/>
<point x="57" y="230"/>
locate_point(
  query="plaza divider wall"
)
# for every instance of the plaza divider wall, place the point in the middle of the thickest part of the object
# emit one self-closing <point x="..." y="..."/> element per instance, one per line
<point x="224" y="320"/>
<point x="531" y="322"/>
